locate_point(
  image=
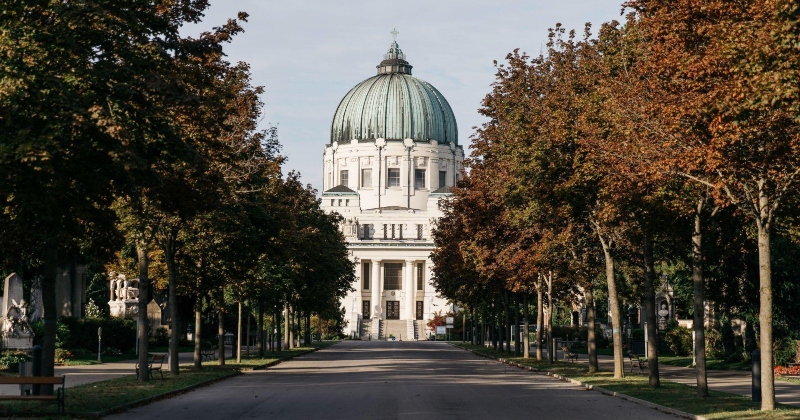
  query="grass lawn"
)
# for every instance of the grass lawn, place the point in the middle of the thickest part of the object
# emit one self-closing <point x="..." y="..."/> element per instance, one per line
<point x="91" y="359"/>
<point x="108" y="395"/>
<point x="711" y="364"/>
<point x="718" y="405"/>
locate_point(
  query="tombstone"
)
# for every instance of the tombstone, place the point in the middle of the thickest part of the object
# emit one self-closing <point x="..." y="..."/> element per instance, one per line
<point x="36" y="299"/>
<point x="154" y="315"/>
<point x="12" y="289"/>
<point x="124" y="301"/>
<point x="14" y="322"/>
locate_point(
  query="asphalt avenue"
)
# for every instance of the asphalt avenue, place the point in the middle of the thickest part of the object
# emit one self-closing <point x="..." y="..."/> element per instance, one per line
<point x="392" y="380"/>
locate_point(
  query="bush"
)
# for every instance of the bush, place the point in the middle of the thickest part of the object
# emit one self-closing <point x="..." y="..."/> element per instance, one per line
<point x="73" y="333"/>
<point x="63" y="336"/>
<point x="62" y="355"/>
<point x="783" y="351"/>
<point x="713" y="344"/>
<point x="160" y="337"/>
<point x="679" y="341"/>
<point x="580" y="334"/>
<point x="10" y="360"/>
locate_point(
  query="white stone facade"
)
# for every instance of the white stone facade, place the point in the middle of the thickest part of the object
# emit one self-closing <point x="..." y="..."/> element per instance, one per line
<point x="389" y="198"/>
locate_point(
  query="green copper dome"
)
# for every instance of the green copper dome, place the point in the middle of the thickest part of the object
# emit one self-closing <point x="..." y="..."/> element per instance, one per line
<point x="394" y="105"/>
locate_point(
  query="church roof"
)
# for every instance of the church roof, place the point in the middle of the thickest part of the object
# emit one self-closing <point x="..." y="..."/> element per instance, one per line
<point x="394" y="105"/>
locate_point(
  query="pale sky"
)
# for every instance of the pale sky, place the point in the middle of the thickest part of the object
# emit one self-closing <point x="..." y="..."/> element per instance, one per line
<point x="309" y="53"/>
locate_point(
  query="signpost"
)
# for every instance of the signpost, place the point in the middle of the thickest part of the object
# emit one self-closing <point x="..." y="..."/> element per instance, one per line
<point x="449" y="321"/>
<point x="99" y="341"/>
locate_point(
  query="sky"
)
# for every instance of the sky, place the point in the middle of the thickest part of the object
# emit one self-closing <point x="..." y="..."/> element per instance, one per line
<point x="307" y="54"/>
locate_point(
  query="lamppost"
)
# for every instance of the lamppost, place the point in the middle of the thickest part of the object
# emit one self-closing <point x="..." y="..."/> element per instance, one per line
<point x="334" y="146"/>
<point x="380" y="143"/>
<point x="409" y="144"/>
<point x="453" y="150"/>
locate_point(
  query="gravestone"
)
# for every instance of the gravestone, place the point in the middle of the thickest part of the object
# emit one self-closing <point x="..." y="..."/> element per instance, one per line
<point x="14" y="322"/>
<point x="154" y="315"/>
<point x="12" y="289"/>
<point x="36" y="299"/>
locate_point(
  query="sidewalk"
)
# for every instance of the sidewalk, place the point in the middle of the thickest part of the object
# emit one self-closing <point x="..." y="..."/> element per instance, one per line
<point x="85" y="374"/>
<point x="730" y="381"/>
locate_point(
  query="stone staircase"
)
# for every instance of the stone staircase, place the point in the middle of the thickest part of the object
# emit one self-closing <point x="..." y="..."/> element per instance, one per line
<point x="365" y="328"/>
<point x="398" y="328"/>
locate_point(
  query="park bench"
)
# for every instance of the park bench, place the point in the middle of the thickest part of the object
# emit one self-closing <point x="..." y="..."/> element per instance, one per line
<point x="638" y="361"/>
<point x="209" y="353"/>
<point x="154" y="363"/>
<point x="568" y="355"/>
<point x="36" y="380"/>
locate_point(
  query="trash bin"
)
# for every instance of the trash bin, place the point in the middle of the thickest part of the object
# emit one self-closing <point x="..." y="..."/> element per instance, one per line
<point x="25" y="369"/>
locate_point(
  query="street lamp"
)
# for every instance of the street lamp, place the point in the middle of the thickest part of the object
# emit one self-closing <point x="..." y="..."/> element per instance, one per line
<point x="409" y="144"/>
<point x="380" y="143"/>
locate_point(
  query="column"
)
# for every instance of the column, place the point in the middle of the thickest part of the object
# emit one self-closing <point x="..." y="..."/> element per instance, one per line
<point x="410" y="289"/>
<point x="376" y="292"/>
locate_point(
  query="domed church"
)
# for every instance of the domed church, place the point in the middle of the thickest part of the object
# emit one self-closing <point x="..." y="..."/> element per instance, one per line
<point x="393" y="154"/>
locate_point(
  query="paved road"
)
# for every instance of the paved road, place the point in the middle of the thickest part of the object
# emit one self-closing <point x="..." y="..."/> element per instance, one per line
<point x="392" y="380"/>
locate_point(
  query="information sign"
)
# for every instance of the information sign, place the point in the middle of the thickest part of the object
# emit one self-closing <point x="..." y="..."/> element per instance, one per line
<point x="449" y="320"/>
<point x="441" y="329"/>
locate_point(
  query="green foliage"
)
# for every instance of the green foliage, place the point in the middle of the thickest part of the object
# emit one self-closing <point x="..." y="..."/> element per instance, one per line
<point x="581" y="334"/>
<point x="714" y="348"/>
<point x="10" y="360"/>
<point x="63" y="335"/>
<point x="92" y="310"/>
<point x="62" y="355"/>
<point x="784" y="351"/>
<point x="679" y="340"/>
<point x="73" y="333"/>
<point x="160" y="337"/>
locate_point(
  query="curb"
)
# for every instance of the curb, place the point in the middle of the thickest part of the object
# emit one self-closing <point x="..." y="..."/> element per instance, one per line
<point x="591" y="387"/>
<point x="154" y="398"/>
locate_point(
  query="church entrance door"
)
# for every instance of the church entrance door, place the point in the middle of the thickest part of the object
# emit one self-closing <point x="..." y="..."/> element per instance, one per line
<point x="392" y="309"/>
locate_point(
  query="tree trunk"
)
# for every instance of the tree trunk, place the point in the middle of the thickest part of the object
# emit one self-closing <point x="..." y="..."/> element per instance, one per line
<point x="516" y="326"/>
<point x="650" y="313"/>
<point x="526" y="352"/>
<point x="765" y="306"/>
<point x="175" y="333"/>
<point x="292" y="323"/>
<point x="495" y="325"/>
<point x="50" y="315"/>
<point x="551" y="354"/>
<point x="247" y="332"/>
<point x="539" y="317"/>
<point x="260" y="334"/>
<point x="286" y="325"/>
<point x="308" y="329"/>
<point x="507" y="321"/>
<point x="699" y="282"/>
<point x="239" y="334"/>
<point x="142" y="333"/>
<point x="198" y="318"/>
<point x="591" y="340"/>
<point x="616" y="320"/>
<point x="221" y="326"/>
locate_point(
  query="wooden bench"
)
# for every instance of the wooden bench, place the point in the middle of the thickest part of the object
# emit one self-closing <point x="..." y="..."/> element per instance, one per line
<point x="638" y="361"/>
<point x="154" y="363"/>
<point x="568" y="355"/>
<point x="208" y="354"/>
<point x="36" y="380"/>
